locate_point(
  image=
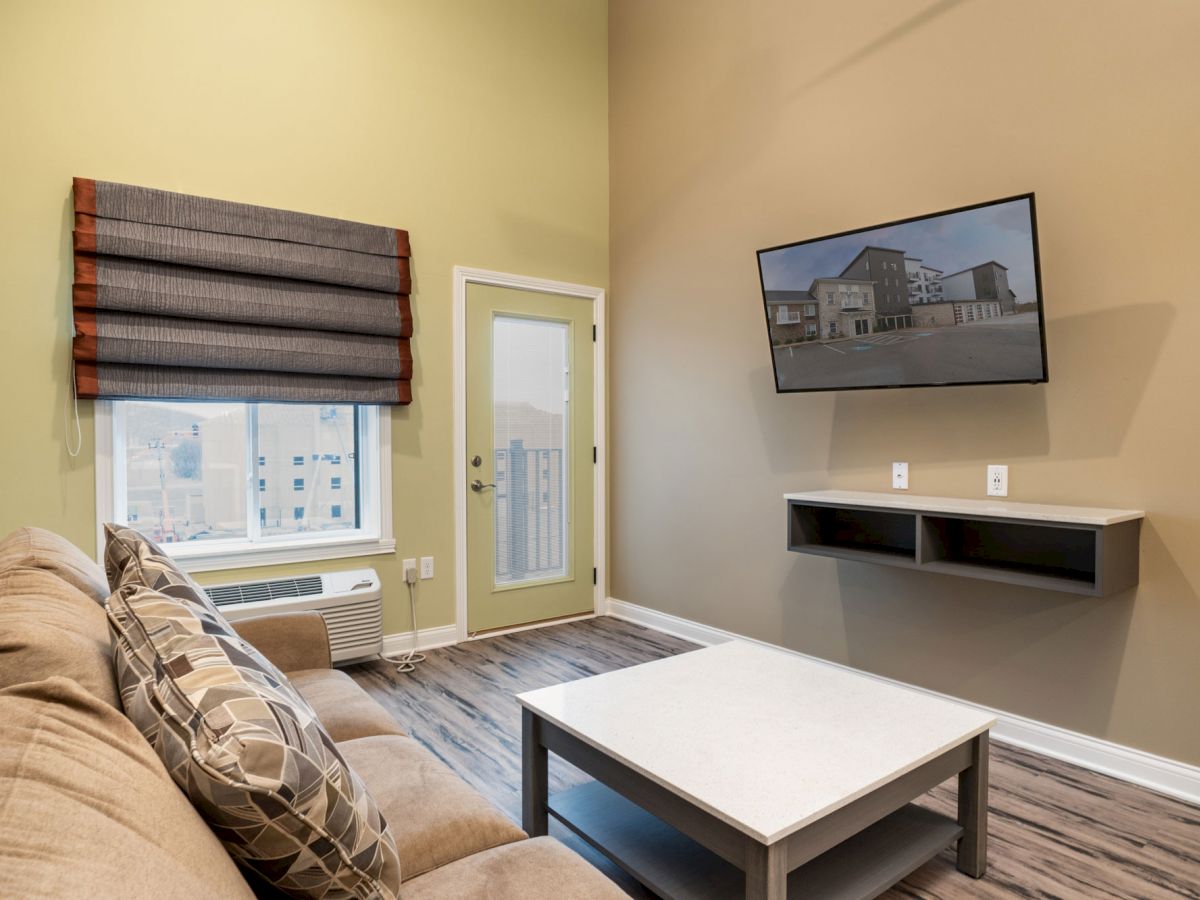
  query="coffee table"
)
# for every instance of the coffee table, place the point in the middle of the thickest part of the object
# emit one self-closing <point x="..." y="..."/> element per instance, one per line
<point x="742" y="771"/>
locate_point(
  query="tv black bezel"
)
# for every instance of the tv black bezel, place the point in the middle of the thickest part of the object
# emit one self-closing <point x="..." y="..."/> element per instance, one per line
<point x="1037" y="276"/>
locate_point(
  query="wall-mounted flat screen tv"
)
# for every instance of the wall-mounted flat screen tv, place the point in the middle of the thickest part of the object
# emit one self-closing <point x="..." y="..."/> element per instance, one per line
<point x="949" y="298"/>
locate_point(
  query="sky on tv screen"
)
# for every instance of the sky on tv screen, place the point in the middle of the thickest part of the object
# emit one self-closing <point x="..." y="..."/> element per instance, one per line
<point x="950" y="242"/>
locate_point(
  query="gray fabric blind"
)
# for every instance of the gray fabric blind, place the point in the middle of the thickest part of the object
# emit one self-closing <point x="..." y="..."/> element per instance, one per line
<point x="181" y="297"/>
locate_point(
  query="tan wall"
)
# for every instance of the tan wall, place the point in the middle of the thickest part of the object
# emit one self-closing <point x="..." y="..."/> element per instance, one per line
<point x="481" y="127"/>
<point x="929" y="314"/>
<point x="1095" y="109"/>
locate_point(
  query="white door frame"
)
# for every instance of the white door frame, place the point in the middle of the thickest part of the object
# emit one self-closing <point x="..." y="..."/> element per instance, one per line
<point x="463" y="276"/>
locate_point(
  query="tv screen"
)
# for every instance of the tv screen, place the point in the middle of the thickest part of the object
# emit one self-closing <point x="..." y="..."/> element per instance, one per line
<point x="949" y="298"/>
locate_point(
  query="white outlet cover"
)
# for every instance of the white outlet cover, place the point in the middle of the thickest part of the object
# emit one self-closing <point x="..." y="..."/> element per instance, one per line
<point x="426" y="567"/>
<point x="900" y="476"/>
<point x="997" y="481"/>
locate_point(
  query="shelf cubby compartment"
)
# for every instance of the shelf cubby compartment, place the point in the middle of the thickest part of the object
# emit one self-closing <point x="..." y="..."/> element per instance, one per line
<point x="1079" y="550"/>
<point x="858" y="533"/>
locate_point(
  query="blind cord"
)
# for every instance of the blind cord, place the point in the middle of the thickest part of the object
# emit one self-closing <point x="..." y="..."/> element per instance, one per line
<point x="73" y="403"/>
<point x="408" y="662"/>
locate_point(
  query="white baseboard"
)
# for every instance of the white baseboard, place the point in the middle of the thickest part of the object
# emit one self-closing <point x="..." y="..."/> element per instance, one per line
<point x="1157" y="773"/>
<point x="427" y="639"/>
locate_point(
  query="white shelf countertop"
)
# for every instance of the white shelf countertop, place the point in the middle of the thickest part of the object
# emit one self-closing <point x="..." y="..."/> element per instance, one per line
<point x="962" y="506"/>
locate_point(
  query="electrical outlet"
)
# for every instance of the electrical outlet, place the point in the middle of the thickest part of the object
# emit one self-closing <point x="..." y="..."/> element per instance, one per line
<point x="426" y="567"/>
<point x="997" y="481"/>
<point x="408" y="564"/>
<point x="900" y="476"/>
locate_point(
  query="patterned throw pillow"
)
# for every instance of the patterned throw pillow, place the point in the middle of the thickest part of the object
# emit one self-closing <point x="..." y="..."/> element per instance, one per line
<point x="132" y="558"/>
<point x="248" y="751"/>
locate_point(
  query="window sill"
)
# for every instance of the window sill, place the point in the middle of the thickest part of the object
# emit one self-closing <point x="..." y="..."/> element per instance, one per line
<point x="210" y="559"/>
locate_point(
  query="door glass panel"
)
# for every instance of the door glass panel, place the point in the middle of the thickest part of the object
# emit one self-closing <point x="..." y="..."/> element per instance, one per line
<point x="530" y="410"/>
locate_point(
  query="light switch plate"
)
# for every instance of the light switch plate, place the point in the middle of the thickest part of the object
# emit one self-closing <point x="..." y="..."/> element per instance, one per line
<point x="900" y="476"/>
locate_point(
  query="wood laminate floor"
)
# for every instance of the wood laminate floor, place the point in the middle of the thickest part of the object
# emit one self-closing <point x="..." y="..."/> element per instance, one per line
<point x="1056" y="830"/>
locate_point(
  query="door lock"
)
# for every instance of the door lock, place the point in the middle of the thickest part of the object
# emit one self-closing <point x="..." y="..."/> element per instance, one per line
<point x="478" y="485"/>
<point x="476" y="461"/>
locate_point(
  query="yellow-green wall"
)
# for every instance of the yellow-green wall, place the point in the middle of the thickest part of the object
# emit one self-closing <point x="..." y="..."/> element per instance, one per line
<point x="480" y="127"/>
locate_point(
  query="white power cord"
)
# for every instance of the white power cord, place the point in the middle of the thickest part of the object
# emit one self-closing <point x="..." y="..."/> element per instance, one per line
<point x="408" y="662"/>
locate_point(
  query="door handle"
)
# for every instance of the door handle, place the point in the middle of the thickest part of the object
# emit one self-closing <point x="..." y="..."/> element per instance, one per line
<point x="478" y="485"/>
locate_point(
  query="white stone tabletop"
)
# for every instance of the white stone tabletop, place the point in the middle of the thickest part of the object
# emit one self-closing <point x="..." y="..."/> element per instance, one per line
<point x="765" y="740"/>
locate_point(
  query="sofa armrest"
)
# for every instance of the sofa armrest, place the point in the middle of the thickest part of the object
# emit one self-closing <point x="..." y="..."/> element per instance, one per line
<point x="292" y="641"/>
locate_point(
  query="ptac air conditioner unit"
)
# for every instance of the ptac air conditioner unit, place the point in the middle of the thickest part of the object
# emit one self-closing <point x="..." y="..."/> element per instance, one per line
<point x="350" y="602"/>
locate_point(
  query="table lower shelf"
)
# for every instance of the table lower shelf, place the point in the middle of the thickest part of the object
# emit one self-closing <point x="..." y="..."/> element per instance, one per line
<point x="672" y="865"/>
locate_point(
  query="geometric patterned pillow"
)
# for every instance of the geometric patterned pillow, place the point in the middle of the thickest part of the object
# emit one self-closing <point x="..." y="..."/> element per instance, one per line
<point x="132" y="558"/>
<point x="248" y="751"/>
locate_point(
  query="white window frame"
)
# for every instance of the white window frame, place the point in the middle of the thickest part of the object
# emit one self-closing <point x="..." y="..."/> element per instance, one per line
<point x="373" y="538"/>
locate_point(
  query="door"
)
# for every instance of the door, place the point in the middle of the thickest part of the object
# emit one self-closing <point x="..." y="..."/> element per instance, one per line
<point x="529" y="465"/>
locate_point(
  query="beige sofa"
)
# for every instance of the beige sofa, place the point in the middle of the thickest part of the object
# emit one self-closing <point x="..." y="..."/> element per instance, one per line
<point x="87" y="809"/>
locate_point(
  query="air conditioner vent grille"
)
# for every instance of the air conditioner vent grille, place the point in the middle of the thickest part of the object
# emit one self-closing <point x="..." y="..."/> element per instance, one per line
<point x="251" y="591"/>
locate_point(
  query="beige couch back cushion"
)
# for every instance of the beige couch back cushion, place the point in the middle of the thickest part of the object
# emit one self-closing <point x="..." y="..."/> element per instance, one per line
<point x="49" y="627"/>
<point x="37" y="548"/>
<point x="88" y="810"/>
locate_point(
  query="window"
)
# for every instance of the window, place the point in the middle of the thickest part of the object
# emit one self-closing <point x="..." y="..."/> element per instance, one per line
<point x="832" y="329"/>
<point x="335" y="511"/>
<point x="208" y="481"/>
<point x="810" y="329"/>
<point x="810" y="309"/>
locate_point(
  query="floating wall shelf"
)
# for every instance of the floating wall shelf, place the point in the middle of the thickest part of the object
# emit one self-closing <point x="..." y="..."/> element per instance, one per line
<point x="1080" y="550"/>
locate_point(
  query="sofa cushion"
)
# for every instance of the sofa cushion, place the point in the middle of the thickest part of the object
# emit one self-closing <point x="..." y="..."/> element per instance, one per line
<point x="132" y="558"/>
<point x="538" y="869"/>
<point x="49" y="627"/>
<point x="345" y="709"/>
<point x="435" y="816"/>
<point x="248" y="751"/>
<point x="37" y="548"/>
<point x="87" y="809"/>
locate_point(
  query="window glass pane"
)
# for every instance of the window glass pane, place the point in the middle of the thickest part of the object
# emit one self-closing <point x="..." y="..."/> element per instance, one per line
<point x="530" y="414"/>
<point x="185" y="470"/>
<point x="297" y="447"/>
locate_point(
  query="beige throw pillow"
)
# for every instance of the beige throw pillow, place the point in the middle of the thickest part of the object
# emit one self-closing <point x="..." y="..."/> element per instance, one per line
<point x="132" y="558"/>
<point x="248" y="751"/>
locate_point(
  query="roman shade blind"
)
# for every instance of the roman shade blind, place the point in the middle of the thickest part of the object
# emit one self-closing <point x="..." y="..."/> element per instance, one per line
<point x="188" y="298"/>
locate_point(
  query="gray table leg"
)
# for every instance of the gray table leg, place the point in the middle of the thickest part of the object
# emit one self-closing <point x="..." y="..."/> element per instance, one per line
<point x="766" y="871"/>
<point x="535" y="786"/>
<point x="973" y="809"/>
